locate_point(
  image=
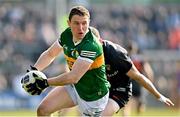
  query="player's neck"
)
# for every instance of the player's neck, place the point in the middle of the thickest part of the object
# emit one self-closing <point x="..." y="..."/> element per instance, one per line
<point x="76" y="41"/>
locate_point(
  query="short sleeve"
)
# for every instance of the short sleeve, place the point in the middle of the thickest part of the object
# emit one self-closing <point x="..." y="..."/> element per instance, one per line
<point x="118" y="56"/>
<point x="125" y="63"/>
<point x="91" y="50"/>
<point x="64" y="36"/>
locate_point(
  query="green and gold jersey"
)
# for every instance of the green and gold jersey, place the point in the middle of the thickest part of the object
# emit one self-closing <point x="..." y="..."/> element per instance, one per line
<point x="93" y="85"/>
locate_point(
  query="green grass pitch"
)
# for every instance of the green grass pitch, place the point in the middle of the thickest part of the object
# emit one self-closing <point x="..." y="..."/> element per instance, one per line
<point x="149" y="112"/>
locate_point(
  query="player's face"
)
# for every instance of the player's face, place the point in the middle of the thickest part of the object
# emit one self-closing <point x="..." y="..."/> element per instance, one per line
<point x="79" y="26"/>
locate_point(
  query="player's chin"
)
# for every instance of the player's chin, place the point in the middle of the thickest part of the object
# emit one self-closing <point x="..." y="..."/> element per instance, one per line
<point x="81" y="36"/>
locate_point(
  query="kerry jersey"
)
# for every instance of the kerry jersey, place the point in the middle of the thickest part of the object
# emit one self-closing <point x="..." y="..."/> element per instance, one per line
<point x="93" y="85"/>
<point x="118" y="63"/>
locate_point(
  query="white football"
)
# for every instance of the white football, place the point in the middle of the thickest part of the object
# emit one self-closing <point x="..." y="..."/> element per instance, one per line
<point x="29" y="78"/>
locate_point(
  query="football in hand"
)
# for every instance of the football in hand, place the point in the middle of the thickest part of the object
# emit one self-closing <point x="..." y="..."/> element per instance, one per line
<point x="30" y="78"/>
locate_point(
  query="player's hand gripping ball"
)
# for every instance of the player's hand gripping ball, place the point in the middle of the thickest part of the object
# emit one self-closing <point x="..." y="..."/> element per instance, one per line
<point x="34" y="82"/>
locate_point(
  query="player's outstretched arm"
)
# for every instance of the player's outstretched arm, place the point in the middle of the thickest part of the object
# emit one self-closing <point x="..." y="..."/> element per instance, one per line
<point x="133" y="73"/>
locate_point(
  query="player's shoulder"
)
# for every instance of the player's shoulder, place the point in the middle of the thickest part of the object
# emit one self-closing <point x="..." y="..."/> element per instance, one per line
<point x="67" y="31"/>
<point x="108" y="45"/>
<point x="91" y="40"/>
<point x="91" y="37"/>
<point x="65" y="36"/>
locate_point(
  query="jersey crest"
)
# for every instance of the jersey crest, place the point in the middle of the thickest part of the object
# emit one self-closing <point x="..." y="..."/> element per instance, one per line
<point x="74" y="53"/>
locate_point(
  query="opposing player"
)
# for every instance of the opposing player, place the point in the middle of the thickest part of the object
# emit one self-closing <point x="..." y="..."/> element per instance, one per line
<point x="86" y="82"/>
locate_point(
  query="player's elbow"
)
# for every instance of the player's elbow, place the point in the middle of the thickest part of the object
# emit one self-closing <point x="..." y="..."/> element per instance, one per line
<point x="74" y="78"/>
<point x="75" y="81"/>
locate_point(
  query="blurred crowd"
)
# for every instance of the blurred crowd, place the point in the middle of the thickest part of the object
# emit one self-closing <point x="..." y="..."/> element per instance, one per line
<point x="152" y="27"/>
<point x="25" y="32"/>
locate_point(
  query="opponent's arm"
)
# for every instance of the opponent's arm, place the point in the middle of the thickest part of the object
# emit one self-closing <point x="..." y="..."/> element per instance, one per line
<point x="48" y="56"/>
<point x="79" y="68"/>
<point x="133" y="73"/>
<point x="148" y="71"/>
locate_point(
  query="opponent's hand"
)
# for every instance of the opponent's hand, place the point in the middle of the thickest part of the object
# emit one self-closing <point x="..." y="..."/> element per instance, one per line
<point x="167" y="101"/>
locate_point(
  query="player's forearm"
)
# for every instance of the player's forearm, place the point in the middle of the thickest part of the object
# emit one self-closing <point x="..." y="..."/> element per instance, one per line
<point x="63" y="79"/>
<point x="79" y="68"/>
<point x="133" y="73"/>
<point x="43" y="61"/>
<point x="146" y="83"/>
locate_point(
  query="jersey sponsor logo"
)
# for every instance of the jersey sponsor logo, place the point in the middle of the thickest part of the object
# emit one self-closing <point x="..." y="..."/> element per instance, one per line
<point x="113" y="74"/>
<point x="108" y="67"/>
<point x="121" y="89"/>
<point x="88" y="54"/>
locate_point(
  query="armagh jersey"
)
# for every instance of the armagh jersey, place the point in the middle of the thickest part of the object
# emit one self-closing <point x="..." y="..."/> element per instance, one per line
<point x="118" y="63"/>
<point x="93" y="85"/>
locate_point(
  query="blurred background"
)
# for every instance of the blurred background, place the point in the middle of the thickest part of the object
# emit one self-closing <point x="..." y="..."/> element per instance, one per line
<point x="28" y="27"/>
